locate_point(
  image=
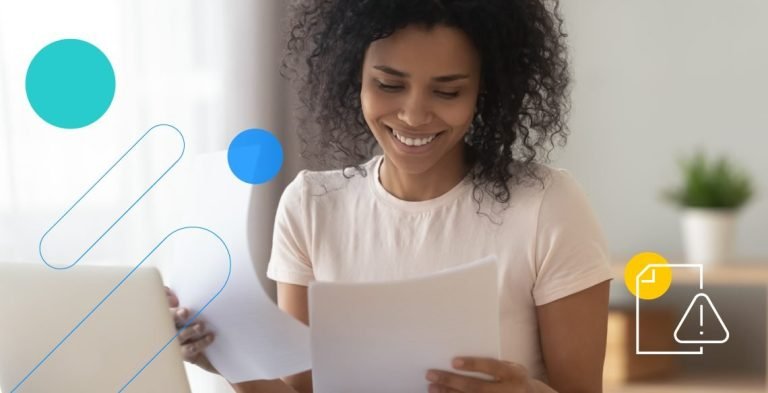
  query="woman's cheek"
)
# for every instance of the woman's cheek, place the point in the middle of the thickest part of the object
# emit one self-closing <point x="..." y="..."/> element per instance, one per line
<point x="376" y="103"/>
<point x="459" y="114"/>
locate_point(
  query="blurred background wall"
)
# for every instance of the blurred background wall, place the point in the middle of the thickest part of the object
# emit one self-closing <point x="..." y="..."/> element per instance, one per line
<point x="654" y="80"/>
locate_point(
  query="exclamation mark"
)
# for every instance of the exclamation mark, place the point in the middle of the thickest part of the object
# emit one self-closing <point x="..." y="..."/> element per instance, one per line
<point x="701" y="319"/>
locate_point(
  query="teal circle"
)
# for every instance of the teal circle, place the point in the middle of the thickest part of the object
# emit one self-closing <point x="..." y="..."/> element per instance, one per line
<point x="70" y="83"/>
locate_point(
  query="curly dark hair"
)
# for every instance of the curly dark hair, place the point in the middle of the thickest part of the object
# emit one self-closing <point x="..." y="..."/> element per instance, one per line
<point x="523" y="98"/>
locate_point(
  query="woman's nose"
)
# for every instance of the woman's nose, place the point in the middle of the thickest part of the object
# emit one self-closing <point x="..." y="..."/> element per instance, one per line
<point x="415" y="112"/>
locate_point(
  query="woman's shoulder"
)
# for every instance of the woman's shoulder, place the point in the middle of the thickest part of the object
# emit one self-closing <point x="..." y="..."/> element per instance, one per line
<point x="541" y="181"/>
<point x="558" y="196"/>
<point x="329" y="182"/>
<point x="544" y="191"/>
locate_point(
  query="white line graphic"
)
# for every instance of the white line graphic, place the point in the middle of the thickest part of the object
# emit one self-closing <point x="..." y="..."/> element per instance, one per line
<point x="637" y="307"/>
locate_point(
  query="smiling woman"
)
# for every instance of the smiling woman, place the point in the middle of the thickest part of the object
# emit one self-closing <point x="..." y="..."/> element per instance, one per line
<point x="464" y="99"/>
<point x="418" y="95"/>
<point x="499" y="68"/>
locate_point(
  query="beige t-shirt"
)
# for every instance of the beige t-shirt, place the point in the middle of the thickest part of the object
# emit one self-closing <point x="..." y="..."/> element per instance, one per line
<point x="547" y="240"/>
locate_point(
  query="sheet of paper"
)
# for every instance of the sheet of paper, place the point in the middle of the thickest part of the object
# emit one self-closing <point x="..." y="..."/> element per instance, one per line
<point x="254" y="339"/>
<point x="383" y="337"/>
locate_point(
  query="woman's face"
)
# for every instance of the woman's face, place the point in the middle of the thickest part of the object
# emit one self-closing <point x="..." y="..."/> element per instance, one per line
<point x="418" y="96"/>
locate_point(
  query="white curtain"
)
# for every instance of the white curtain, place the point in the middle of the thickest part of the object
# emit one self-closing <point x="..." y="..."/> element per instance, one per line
<point x="208" y="68"/>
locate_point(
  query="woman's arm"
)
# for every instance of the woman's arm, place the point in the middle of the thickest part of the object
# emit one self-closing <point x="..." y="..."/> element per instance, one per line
<point x="293" y="300"/>
<point x="573" y="333"/>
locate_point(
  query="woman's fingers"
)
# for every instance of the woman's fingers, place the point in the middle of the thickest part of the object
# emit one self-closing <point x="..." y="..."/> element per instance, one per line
<point x="445" y="381"/>
<point x="193" y="332"/>
<point x="180" y="316"/>
<point x="505" y="377"/>
<point x="193" y="338"/>
<point x="499" y="369"/>
<point x="173" y="300"/>
<point x="192" y="350"/>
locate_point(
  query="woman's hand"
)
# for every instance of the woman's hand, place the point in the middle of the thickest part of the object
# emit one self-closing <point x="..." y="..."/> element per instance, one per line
<point x="506" y="377"/>
<point x="195" y="338"/>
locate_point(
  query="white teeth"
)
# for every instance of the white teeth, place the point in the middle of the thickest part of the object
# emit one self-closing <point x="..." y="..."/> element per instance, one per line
<point x="411" y="141"/>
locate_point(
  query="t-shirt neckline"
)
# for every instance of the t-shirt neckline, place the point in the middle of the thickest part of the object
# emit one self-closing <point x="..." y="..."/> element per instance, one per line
<point x="413" y="206"/>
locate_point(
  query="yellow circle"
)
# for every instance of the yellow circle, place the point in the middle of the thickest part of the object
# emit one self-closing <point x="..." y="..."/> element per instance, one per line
<point x="654" y="281"/>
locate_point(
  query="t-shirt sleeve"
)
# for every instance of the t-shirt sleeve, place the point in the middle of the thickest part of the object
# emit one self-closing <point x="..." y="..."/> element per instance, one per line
<point x="571" y="254"/>
<point x="289" y="261"/>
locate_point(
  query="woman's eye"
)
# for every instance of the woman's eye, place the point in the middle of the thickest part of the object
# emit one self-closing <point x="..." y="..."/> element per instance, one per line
<point x="448" y="94"/>
<point x="396" y="88"/>
<point x="386" y="87"/>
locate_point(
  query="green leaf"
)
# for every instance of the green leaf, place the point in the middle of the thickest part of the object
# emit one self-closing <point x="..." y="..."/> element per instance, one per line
<point x="715" y="183"/>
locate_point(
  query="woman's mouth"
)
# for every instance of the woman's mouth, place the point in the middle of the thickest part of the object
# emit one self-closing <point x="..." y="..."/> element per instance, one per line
<point x="412" y="143"/>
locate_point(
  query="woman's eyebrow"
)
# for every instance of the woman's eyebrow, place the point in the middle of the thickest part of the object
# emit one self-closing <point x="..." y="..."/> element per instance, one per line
<point x="444" y="78"/>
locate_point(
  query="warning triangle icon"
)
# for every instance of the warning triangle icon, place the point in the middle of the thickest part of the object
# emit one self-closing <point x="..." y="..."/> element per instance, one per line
<point x="697" y="326"/>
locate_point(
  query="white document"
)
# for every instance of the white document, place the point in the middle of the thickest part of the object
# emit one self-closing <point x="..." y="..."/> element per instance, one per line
<point x="383" y="337"/>
<point x="254" y="339"/>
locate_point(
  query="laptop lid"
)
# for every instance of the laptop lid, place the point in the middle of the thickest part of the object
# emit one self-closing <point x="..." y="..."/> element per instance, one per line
<point x="62" y="331"/>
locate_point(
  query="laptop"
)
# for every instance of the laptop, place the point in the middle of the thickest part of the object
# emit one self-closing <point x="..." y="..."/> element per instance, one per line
<point x="48" y="345"/>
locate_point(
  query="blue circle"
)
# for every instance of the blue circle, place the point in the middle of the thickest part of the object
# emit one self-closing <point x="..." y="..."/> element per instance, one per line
<point x="70" y="83"/>
<point x="255" y="156"/>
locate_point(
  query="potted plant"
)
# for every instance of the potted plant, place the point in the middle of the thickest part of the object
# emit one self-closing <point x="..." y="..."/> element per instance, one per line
<point x="711" y="195"/>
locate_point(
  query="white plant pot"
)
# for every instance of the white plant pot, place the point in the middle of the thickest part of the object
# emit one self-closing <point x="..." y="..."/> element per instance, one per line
<point x="708" y="234"/>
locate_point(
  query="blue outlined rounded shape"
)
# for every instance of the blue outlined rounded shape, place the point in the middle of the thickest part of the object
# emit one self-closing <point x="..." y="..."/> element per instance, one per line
<point x="151" y="252"/>
<point x="70" y="83"/>
<point x="255" y="156"/>
<point x="87" y="248"/>
<point x="118" y="285"/>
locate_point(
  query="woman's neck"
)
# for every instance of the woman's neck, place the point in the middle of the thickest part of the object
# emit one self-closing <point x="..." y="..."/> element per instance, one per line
<point x="436" y="181"/>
